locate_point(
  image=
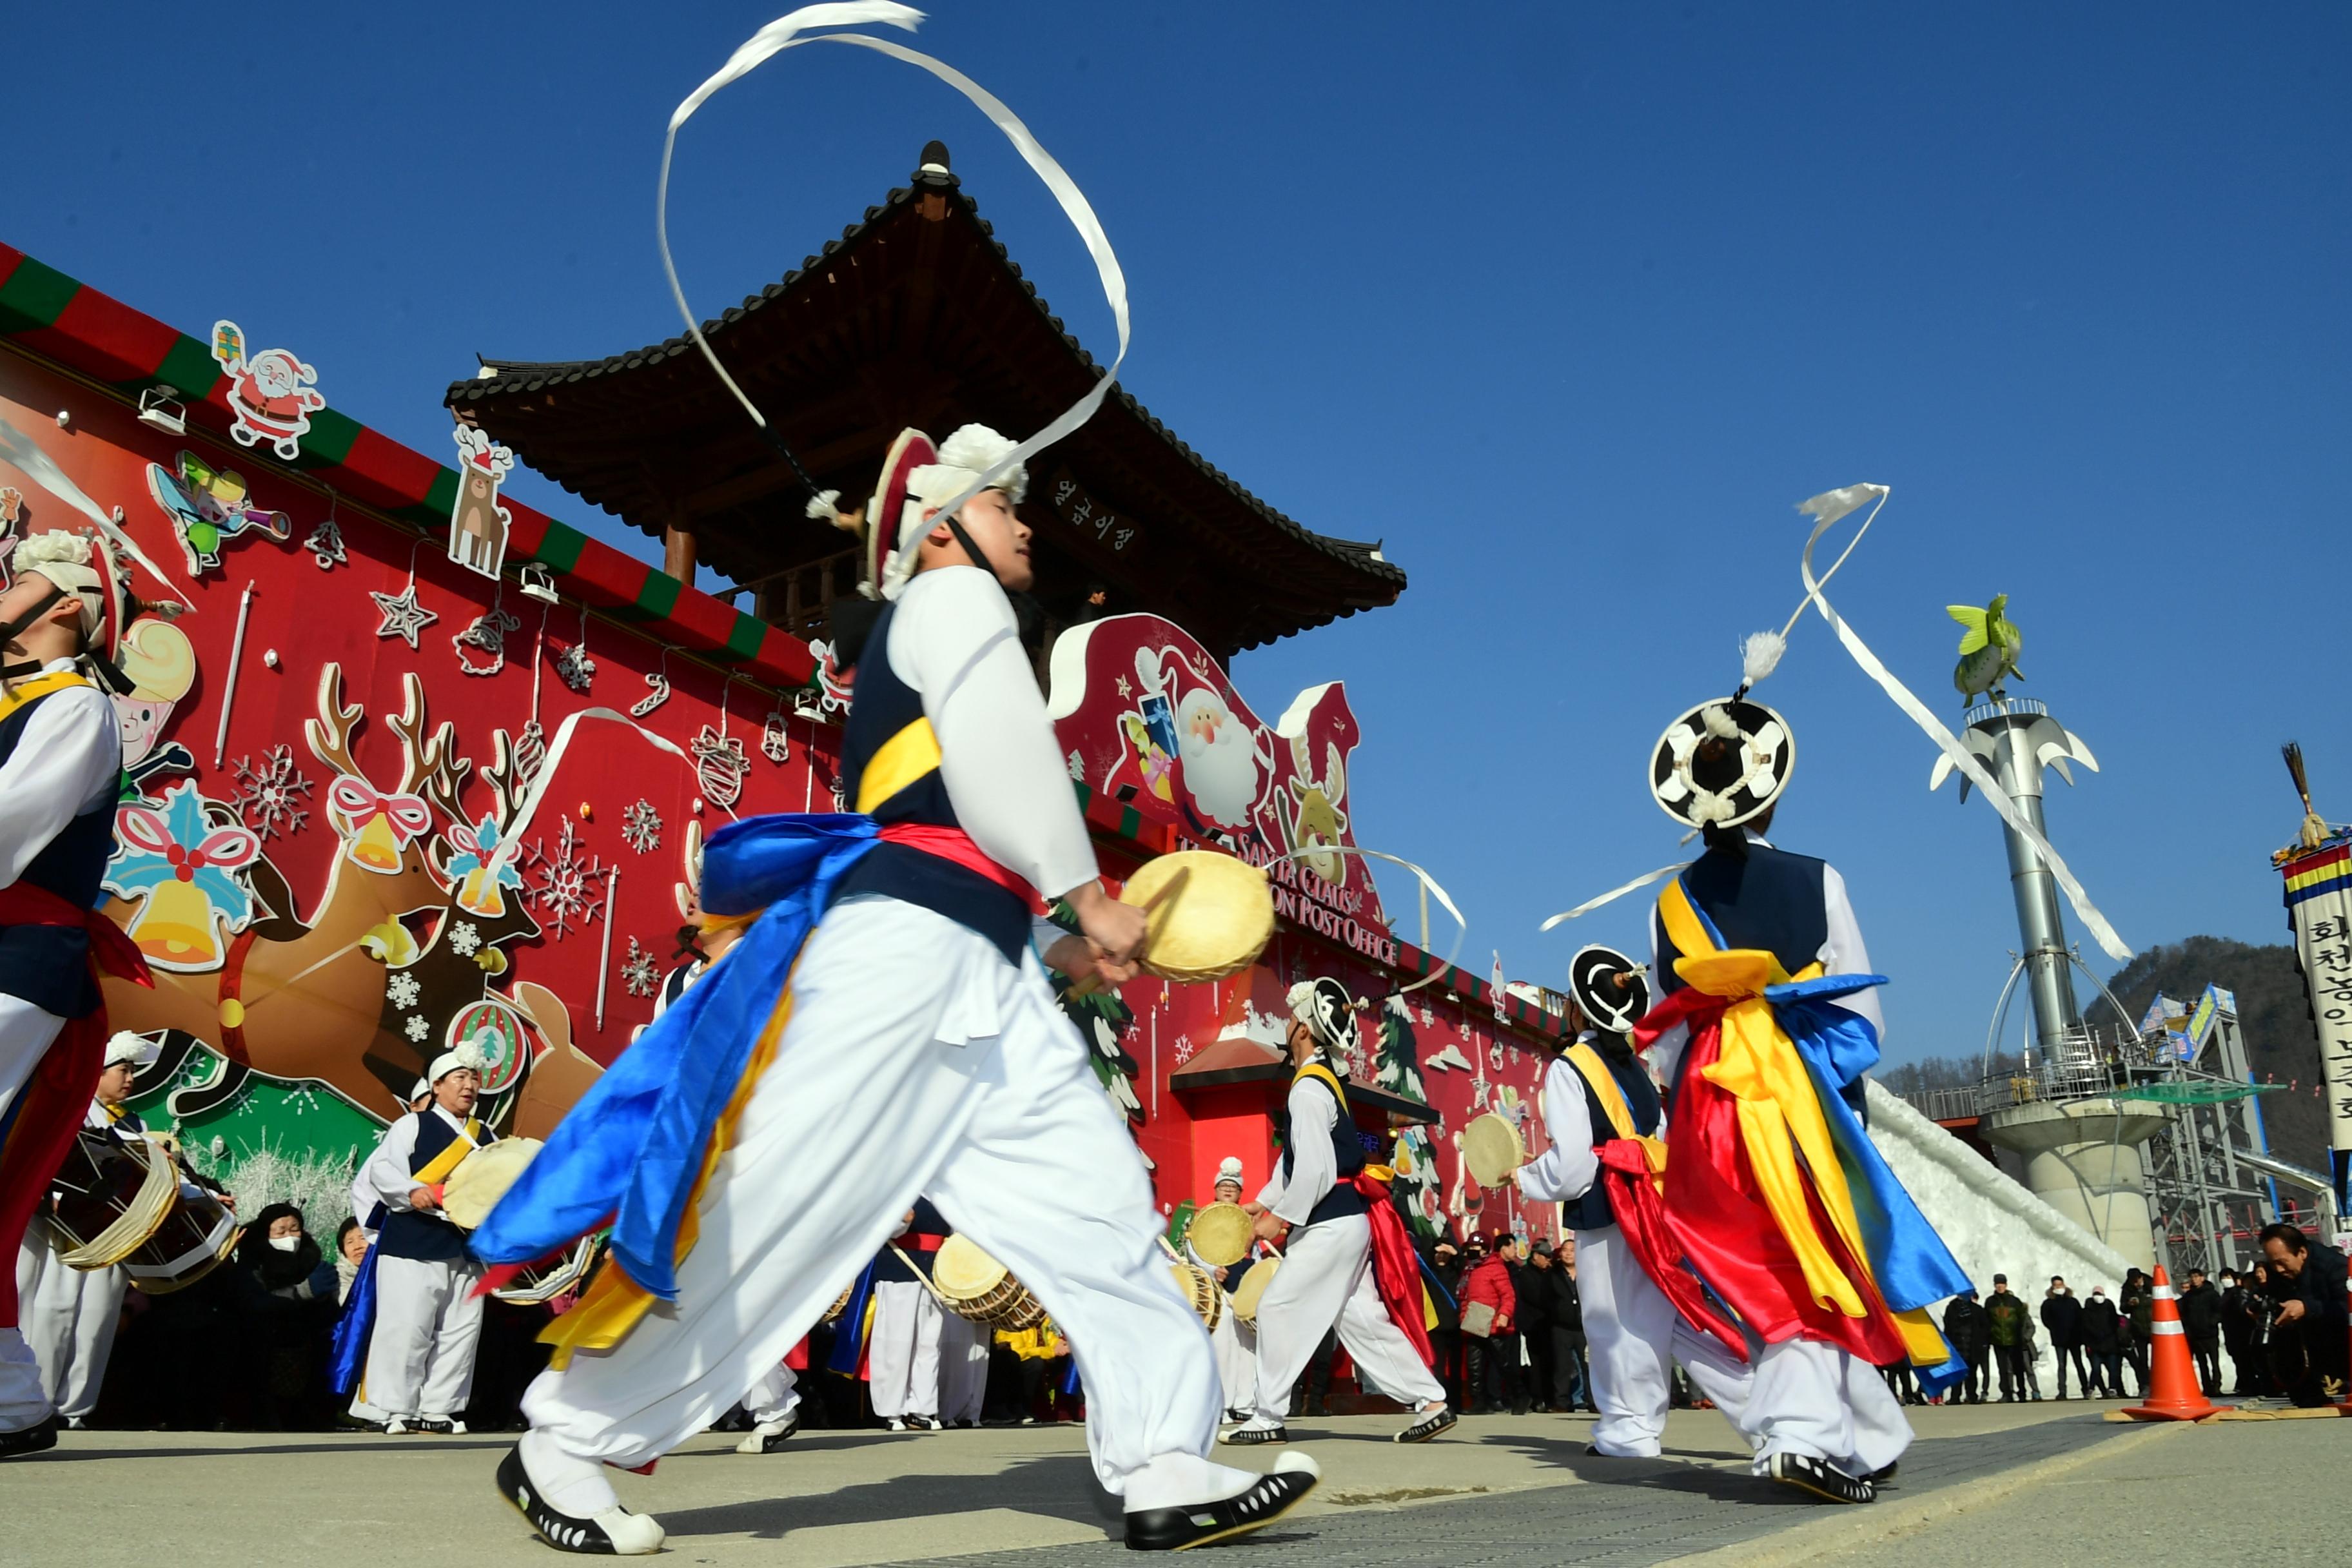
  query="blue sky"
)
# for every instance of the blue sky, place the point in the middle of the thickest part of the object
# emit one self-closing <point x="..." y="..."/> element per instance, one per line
<point x="1568" y="303"/>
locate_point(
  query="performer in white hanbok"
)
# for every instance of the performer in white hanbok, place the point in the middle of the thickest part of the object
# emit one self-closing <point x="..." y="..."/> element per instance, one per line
<point x="71" y="1314"/>
<point x="1597" y="1101"/>
<point x="428" y="1319"/>
<point x="761" y="1141"/>
<point x="1335" y="1209"/>
<point x="903" y="1353"/>
<point x="61" y="769"/>
<point x="1235" y="1341"/>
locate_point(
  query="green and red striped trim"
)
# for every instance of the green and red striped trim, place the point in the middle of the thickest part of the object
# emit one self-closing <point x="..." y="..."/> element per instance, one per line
<point x="63" y="320"/>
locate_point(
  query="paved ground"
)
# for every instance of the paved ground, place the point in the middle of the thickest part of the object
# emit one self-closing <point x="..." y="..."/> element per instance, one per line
<point x="1982" y="1486"/>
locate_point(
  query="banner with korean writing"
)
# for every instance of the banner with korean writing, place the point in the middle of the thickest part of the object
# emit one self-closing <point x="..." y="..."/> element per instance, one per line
<point x="2319" y="908"/>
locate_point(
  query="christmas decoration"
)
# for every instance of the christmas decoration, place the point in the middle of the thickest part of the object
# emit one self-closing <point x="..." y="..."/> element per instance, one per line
<point x="570" y="886"/>
<point x="477" y="524"/>
<point x="639" y="973"/>
<point x="272" y="395"/>
<point x="464" y="939"/>
<point x="479" y="889"/>
<point x="659" y="693"/>
<point x="720" y="766"/>
<point x="775" y="740"/>
<point x="208" y="509"/>
<point x="403" y="617"/>
<point x="403" y="991"/>
<point x="179" y="861"/>
<point x="641" y="828"/>
<point x="268" y="795"/>
<point x="487" y="633"/>
<point x="531" y="749"/>
<point x="1397" y="1059"/>
<point x="325" y="541"/>
<point x="575" y="667"/>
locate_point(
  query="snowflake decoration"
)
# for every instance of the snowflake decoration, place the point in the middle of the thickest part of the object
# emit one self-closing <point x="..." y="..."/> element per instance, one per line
<point x="267" y="793"/>
<point x="403" y="991"/>
<point x="326" y="545"/>
<point x="417" y="1028"/>
<point x="641" y="828"/>
<point x="1184" y="1049"/>
<point x="578" y="670"/>
<point x="571" y="886"/>
<point x="640" y="974"/>
<point x="464" y="939"/>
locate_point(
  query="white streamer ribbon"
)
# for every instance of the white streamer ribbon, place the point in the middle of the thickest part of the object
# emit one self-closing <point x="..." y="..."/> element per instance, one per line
<point x="1828" y="508"/>
<point x="1614" y="894"/>
<point x="1462" y="926"/>
<point x="511" y="839"/>
<point x="789" y="32"/>
<point x="42" y="469"/>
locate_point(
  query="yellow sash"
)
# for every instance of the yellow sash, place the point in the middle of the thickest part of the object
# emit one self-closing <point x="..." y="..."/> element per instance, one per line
<point x="1605" y="1089"/>
<point x="904" y="759"/>
<point x="436" y="1170"/>
<point x="33" y="688"/>
<point x="1324" y="1076"/>
<point x="1780" y="1120"/>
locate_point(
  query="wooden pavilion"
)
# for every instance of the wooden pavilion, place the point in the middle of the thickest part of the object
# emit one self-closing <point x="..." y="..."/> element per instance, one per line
<point x="915" y="316"/>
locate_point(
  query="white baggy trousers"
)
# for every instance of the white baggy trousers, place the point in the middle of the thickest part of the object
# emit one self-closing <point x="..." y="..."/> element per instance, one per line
<point x="69" y="1317"/>
<point x="917" y="1061"/>
<point x="428" y="1323"/>
<point x="903" y="1350"/>
<point x="1633" y="1337"/>
<point x="1817" y="1399"/>
<point x="1327" y="1277"/>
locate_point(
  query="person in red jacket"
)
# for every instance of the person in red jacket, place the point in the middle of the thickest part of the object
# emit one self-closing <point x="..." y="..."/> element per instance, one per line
<point x="1491" y="1379"/>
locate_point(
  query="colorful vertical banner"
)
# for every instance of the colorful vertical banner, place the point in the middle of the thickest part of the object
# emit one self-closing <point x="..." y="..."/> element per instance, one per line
<point x="2319" y="908"/>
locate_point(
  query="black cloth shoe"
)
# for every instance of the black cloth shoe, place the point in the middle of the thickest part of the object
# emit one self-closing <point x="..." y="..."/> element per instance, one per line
<point x="615" y="1532"/>
<point x="1182" y="1529"/>
<point x="1242" y="1436"/>
<point x="1428" y="1426"/>
<point x="1884" y="1474"/>
<point x="33" y="1439"/>
<point x="1819" y="1478"/>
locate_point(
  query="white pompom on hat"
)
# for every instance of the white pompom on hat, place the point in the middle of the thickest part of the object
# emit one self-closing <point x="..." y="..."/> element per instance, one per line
<point x="918" y="476"/>
<point x="448" y="1062"/>
<point x="137" y="1050"/>
<point x="1228" y="1169"/>
<point x="68" y="559"/>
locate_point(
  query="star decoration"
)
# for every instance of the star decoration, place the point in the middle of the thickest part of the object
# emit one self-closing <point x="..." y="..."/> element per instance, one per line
<point x="1126" y="687"/>
<point x="403" y="617"/>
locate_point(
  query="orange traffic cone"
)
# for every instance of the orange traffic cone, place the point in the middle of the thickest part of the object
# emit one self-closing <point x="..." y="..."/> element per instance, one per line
<point x="2175" y="1395"/>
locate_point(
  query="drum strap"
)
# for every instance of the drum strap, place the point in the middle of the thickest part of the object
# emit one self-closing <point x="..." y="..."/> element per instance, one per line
<point x="1595" y="1072"/>
<point x="1328" y="1079"/>
<point x="38" y="687"/>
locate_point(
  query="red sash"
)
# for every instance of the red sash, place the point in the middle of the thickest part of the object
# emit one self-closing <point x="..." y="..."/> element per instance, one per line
<point x="1640" y="1218"/>
<point x="48" y="1111"/>
<point x="955" y="844"/>
<point x="1396" y="1271"/>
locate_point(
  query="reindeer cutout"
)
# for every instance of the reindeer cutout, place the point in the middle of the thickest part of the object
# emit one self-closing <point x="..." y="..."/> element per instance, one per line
<point x="1314" y="821"/>
<point x="477" y="524"/>
<point x="353" y="997"/>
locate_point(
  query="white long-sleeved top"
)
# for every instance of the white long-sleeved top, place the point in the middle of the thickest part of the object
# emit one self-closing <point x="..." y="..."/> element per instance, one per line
<point x="1314" y="1168"/>
<point x="1841" y="952"/>
<point x="68" y="762"/>
<point x="386" y="1174"/>
<point x="953" y="639"/>
<point x="1566" y="1170"/>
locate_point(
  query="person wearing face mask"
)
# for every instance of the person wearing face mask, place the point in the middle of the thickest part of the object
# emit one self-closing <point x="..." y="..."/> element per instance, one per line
<point x="289" y="1311"/>
<point x="2103" y="1342"/>
<point x="60" y="766"/>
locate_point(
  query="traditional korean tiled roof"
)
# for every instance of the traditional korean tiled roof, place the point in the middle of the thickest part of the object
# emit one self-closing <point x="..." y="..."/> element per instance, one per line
<point x="921" y="279"/>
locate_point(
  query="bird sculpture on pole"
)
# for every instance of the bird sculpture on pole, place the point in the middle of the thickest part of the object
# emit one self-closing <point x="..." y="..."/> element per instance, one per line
<point x="1990" y="642"/>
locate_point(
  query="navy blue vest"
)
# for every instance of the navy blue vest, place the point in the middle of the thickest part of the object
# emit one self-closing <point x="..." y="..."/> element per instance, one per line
<point x="1772" y="899"/>
<point x="920" y="1244"/>
<point x="1347" y="1148"/>
<point x="50" y="965"/>
<point x="880" y="707"/>
<point x="425" y="1237"/>
<point x="1591" y="1211"/>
